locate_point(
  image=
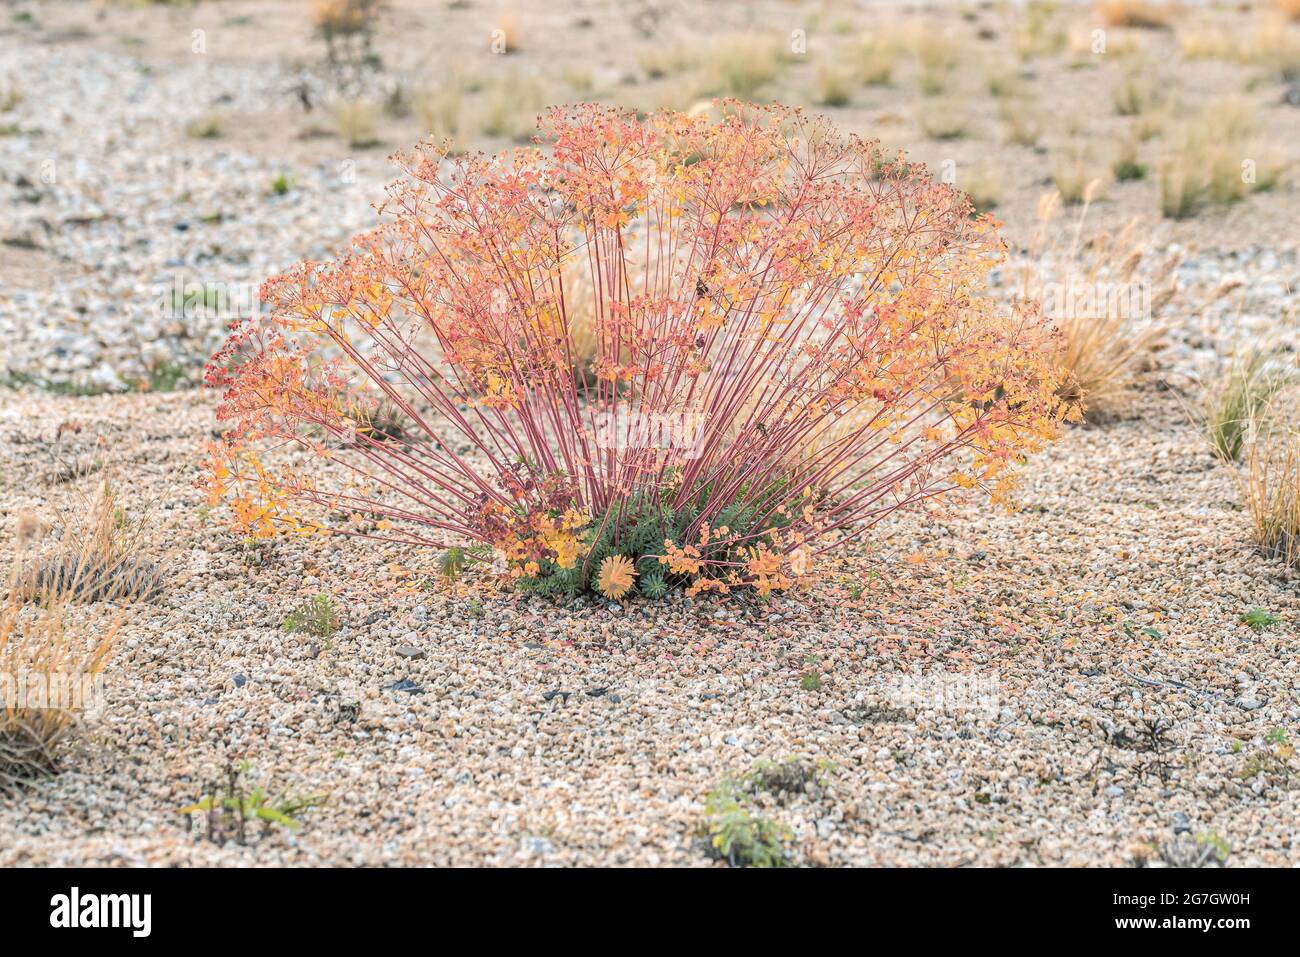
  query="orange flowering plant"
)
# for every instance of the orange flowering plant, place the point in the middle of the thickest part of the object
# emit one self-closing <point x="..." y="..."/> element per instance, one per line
<point x="786" y="338"/>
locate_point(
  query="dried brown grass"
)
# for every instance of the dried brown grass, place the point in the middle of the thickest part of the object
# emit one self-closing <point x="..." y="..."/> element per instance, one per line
<point x="60" y="622"/>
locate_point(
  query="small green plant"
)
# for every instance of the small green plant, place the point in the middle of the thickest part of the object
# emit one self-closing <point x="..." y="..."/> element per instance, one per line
<point x="451" y="564"/>
<point x="1259" y="619"/>
<point x="256" y="552"/>
<point x="281" y="184"/>
<point x="316" y="617"/>
<point x="653" y="585"/>
<point x="1273" y="762"/>
<point x="1218" y="847"/>
<point x="167" y="376"/>
<point x="474" y="608"/>
<point x="811" y="680"/>
<point x="230" y="808"/>
<point x="740" y="835"/>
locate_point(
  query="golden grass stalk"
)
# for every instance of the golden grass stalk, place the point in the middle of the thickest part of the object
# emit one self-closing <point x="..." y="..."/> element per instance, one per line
<point x="1271" y="488"/>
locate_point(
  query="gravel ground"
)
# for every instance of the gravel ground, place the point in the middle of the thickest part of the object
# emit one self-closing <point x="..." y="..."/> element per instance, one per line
<point x="1065" y="683"/>
<point x="1096" y="620"/>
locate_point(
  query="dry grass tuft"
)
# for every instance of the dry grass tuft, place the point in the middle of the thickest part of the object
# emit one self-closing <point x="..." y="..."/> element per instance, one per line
<point x="1275" y="46"/>
<point x="11" y="94"/>
<point x="1203" y="41"/>
<point x="1092" y="293"/>
<point x="344" y="18"/>
<point x="507" y="34"/>
<point x="1271" y="488"/>
<point x="945" y="120"/>
<point x="833" y="87"/>
<point x="1024" y="126"/>
<point x="1039" y="33"/>
<point x="356" y="121"/>
<point x="52" y="650"/>
<point x="1077" y="176"/>
<point x="984" y="187"/>
<point x="440" y="108"/>
<point x="95" y="559"/>
<point x="1217" y="161"/>
<point x="877" y="61"/>
<point x="743" y="64"/>
<point x="1138" y="93"/>
<point x="937" y="55"/>
<point x="1288" y="8"/>
<point x="1240" y="403"/>
<point x="1138" y="14"/>
<point x="512" y="107"/>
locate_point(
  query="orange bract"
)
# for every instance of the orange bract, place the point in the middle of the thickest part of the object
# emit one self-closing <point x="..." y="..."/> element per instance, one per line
<point x="784" y="337"/>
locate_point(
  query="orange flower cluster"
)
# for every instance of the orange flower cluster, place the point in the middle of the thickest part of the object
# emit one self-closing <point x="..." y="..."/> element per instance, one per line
<point x="809" y="310"/>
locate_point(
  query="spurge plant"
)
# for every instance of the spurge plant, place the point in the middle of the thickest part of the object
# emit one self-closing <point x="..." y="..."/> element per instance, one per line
<point x="784" y="337"/>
